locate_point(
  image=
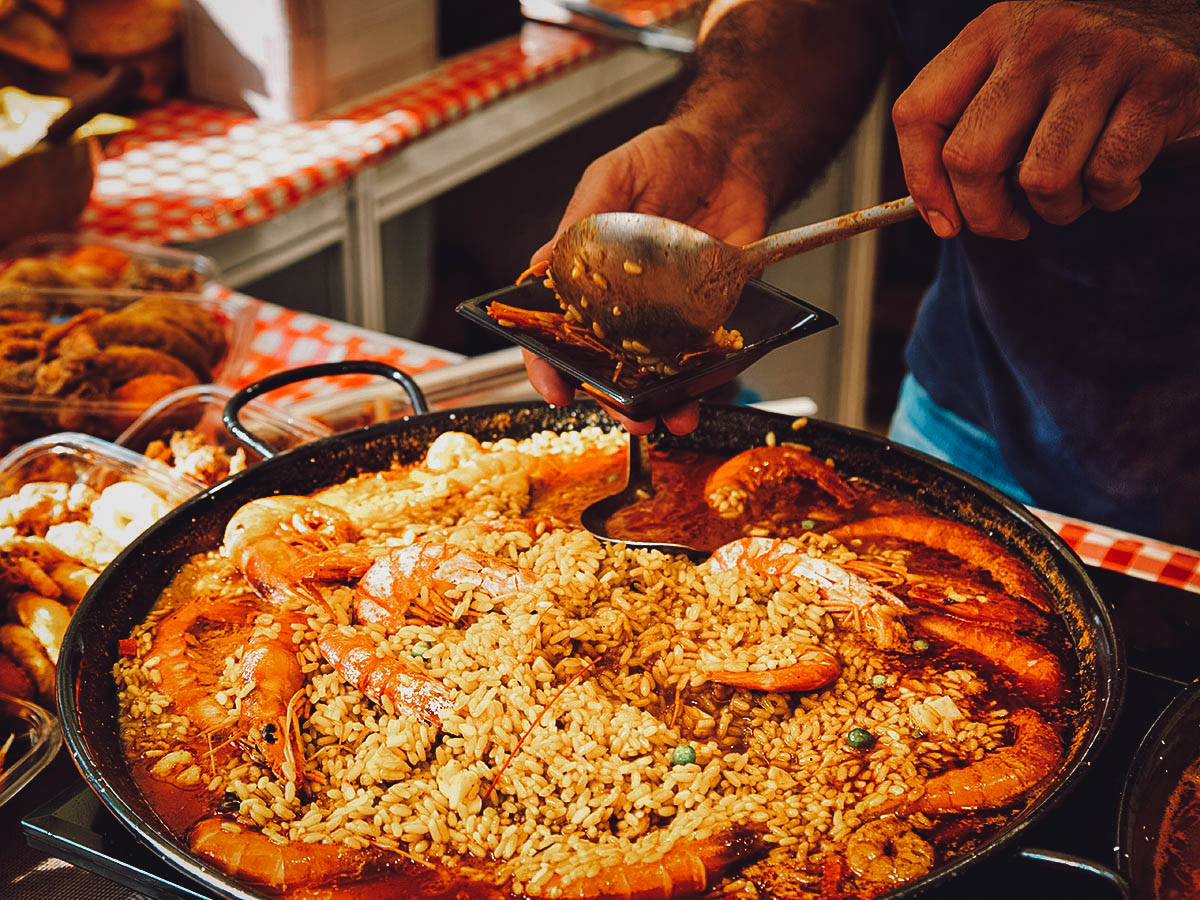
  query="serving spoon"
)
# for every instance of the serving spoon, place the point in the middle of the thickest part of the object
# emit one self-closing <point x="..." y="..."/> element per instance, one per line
<point x="638" y="486"/>
<point x="653" y="285"/>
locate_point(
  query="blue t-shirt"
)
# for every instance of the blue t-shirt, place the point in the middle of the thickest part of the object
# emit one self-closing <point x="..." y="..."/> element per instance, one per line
<point x="1077" y="349"/>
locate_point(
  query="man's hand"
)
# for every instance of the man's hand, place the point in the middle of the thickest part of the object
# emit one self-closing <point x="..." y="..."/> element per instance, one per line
<point x="1080" y="96"/>
<point x="671" y="171"/>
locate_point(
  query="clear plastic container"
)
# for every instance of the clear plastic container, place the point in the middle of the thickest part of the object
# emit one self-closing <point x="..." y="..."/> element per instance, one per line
<point x="35" y="739"/>
<point x="81" y="458"/>
<point x="200" y="409"/>
<point x="199" y="271"/>
<point x="24" y="416"/>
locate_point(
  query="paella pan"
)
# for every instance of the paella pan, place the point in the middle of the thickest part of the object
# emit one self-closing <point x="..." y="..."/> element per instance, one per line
<point x="491" y="703"/>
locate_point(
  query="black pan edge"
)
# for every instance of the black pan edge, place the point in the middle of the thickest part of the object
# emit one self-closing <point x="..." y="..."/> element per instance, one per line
<point x="1167" y="749"/>
<point x="126" y="589"/>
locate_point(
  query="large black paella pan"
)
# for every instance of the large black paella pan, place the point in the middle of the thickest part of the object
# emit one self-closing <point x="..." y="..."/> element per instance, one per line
<point x="125" y="592"/>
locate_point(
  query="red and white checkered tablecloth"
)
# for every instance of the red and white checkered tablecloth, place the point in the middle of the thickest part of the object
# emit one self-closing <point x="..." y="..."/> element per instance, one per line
<point x="190" y="171"/>
<point x="284" y="339"/>
<point x="1129" y="554"/>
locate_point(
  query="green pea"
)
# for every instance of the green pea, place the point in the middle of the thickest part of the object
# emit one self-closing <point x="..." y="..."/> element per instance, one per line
<point x="808" y="524"/>
<point x="879" y="680"/>
<point x="683" y="755"/>
<point x="859" y="738"/>
<point x="421" y="650"/>
<point x="921" y="645"/>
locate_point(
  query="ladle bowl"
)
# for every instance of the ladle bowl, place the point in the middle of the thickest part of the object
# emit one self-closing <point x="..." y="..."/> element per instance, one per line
<point x="653" y="285"/>
<point x="638" y="486"/>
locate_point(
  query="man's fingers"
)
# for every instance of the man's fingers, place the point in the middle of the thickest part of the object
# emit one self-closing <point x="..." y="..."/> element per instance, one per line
<point x="542" y="252"/>
<point x="546" y="380"/>
<point x="1151" y="114"/>
<point x="987" y="142"/>
<point x="1052" y="171"/>
<point x="926" y="114"/>
<point x="633" y="426"/>
<point x="682" y="420"/>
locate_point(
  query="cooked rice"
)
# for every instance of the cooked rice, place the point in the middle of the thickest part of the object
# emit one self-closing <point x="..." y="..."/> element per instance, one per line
<point x="570" y="698"/>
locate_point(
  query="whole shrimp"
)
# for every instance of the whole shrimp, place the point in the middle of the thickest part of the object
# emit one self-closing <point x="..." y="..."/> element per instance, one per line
<point x="188" y="644"/>
<point x="737" y="479"/>
<point x="280" y="543"/>
<point x="253" y="857"/>
<point x="686" y="870"/>
<point x="391" y="590"/>
<point x="1032" y="668"/>
<point x="815" y="668"/>
<point x="959" y="540"/>
<point x="354" y="657"/>
<point x="867" y="607"/>
<point x="1000" y="777"/>
<point x="274" y="684"/>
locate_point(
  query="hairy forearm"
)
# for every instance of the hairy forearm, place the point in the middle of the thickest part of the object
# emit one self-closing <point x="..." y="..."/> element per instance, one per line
<point x="785" y="81"/>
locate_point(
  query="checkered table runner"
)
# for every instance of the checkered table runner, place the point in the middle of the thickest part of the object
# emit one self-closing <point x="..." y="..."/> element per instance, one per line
<point x="190" y="171"/>
<point x="284" y="339"/>
<point x="1127" y="553"/>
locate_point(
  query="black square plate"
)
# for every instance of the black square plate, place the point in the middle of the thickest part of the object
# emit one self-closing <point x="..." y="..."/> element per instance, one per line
<point x="766" y="317"/>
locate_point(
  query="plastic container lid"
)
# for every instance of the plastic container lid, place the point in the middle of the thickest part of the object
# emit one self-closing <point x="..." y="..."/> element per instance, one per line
<point x="36" y="738"/>
<point x="80" y="458"/>
<point x="199" y="408"/>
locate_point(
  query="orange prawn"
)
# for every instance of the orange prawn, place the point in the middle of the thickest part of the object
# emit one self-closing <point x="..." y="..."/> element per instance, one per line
<point x="253" y="857"/>
<point x="353" y="657"/>
<point x="187" y="642"/>
<point x="998" y="778"/>
<point x="391" y="589"/>
<point x="866" y="606"/>
<point x="279" y="543"/>
<point x="816" y="668"/>
<point x="963" y="541"/>
<point x="686" y="870"/>
<point x="271" y="672"/>
<point x="740" y="477"/>
<point x="1033" y="668"/>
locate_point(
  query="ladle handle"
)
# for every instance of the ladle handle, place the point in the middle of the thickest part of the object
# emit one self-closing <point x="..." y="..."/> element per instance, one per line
<point x="772" y="249"/>
<point x="639" y="464"/>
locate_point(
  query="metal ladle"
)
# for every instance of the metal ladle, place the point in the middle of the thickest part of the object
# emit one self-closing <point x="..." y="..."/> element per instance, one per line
<point x="653" y="285"/>
<point x="638" y="487"/>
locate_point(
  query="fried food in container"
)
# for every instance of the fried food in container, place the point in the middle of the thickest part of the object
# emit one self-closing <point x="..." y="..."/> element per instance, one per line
<point x="68" y="505"/>
<point x="93" y="361"/>
<point x="69" y="261"/>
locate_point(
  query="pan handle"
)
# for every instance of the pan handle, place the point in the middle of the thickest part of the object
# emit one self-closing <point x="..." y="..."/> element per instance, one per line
<point x="303" y="373"/>
<point x="1054" y="858"/>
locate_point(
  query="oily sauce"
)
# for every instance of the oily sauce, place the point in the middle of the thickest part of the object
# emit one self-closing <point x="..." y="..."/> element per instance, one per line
<point x="677" y="513"/>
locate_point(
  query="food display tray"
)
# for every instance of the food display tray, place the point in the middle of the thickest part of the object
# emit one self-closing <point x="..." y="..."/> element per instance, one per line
<point x="767" y="318"/>
<point x="36" y="738"/>
<point x="199" y="408"/>
<point x="26" y="416"/>
<point x="59" y="246"/>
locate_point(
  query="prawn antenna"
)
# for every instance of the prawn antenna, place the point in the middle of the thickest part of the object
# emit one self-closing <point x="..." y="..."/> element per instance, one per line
<point x="534" y="724"/>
